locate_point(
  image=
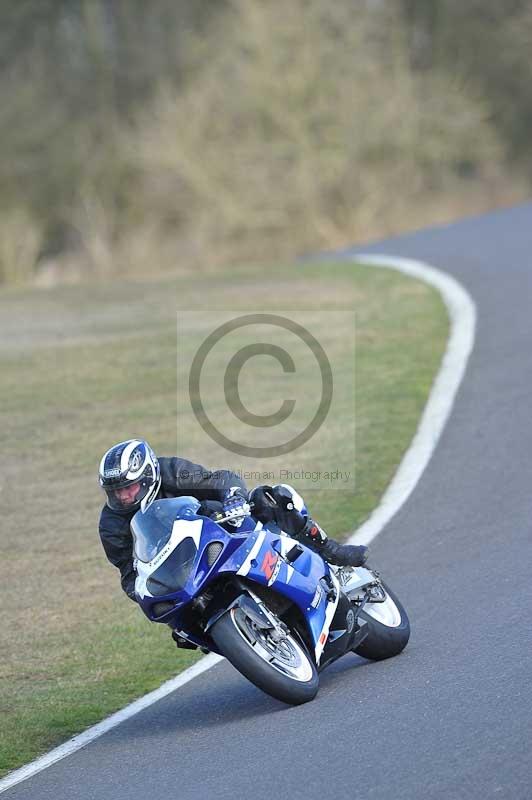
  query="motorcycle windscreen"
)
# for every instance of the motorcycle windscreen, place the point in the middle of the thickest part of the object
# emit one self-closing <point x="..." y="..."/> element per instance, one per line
<point x="152" y="528"/>
<point x="174" y="571"/>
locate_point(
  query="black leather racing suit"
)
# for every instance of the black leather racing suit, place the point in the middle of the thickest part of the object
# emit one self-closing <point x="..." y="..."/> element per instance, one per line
<point x="178" y="477"/>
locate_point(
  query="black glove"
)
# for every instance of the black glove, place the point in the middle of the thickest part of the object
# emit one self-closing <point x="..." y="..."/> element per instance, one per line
<point x="276" y="504"/>
<point x="235" y="506"/>
<point x="263" y="503"/>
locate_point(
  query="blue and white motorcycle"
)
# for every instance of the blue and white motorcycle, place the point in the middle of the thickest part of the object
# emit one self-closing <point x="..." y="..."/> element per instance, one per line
<point x="273" y="607"/>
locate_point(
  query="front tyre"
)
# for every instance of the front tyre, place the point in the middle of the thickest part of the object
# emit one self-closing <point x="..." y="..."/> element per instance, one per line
<point x="281" y="668"/>
<point x="388" y="628"/>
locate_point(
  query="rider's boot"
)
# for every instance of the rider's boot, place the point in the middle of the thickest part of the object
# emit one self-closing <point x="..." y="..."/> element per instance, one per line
<point x="343" y="555"/>
<point x="183" y="643"/>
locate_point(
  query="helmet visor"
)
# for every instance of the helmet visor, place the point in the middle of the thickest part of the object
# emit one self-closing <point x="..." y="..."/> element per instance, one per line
<point x="127" y="498"/>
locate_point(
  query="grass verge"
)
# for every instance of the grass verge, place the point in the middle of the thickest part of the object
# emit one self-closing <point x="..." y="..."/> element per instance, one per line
<point x="83" y="367"/>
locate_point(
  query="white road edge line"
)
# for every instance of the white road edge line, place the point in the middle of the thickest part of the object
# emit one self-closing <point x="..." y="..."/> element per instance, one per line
<point x="462" y="314"/>
<point x="462" y="317"/>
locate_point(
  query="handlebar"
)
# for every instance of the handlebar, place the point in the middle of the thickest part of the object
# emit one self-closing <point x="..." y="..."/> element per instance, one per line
<point x="218" y="519"/>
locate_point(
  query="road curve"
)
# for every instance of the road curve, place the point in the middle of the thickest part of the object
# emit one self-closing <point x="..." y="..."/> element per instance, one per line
<point x="450" y="717"/>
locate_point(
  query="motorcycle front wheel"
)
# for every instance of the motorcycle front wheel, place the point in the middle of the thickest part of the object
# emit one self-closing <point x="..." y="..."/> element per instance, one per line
<point x="280" y="666"/>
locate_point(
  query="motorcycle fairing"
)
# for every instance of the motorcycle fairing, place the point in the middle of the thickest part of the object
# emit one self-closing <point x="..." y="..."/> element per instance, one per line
<point x="301" y="582"/>
<point x="256" y="554"/>
<point x="202" y="532"/>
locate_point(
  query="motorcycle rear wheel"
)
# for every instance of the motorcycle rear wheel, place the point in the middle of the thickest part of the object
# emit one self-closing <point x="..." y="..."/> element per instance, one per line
<point x="283" y="669"/>
<point x="388" y="628"/>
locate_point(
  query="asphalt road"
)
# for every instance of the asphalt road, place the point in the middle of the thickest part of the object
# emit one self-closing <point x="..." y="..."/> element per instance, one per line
<point x="452" y="716"/>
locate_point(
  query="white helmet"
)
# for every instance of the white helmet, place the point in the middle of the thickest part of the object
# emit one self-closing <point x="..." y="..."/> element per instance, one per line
<point x="130" y="475"/>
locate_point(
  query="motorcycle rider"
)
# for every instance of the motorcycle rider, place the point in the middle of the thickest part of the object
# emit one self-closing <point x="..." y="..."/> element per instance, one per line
<point x="132" y="476"/>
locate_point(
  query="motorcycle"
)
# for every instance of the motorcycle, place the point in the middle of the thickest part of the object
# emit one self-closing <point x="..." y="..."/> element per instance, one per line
<point x="273" y="607"/>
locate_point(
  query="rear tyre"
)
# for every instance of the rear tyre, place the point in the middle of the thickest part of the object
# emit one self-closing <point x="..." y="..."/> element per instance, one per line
<point x="282" y="669"/>
<point x="388" y="628"/>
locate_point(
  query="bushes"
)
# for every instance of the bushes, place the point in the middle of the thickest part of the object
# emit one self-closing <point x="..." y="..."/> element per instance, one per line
<point x="305" y="128"/>
<point x="212" y="132"/>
